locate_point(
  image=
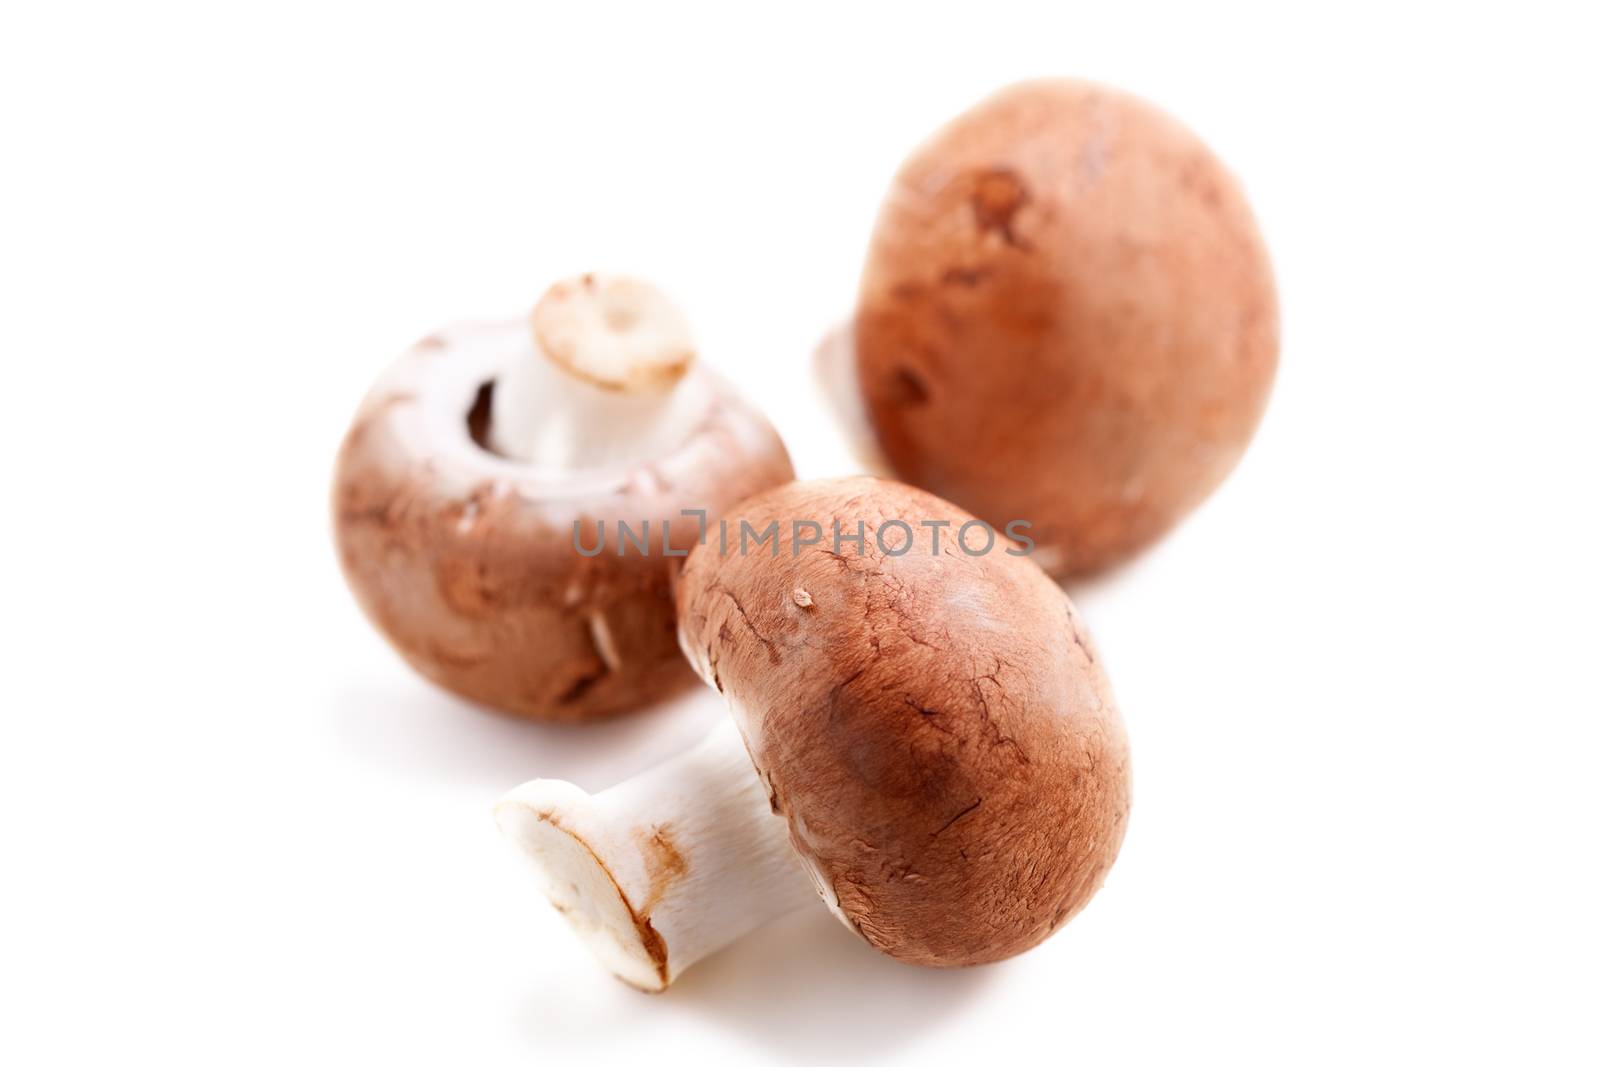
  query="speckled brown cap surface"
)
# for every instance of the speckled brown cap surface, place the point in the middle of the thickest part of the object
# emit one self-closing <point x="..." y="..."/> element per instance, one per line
<point x="936" y="729"/>
<point x="1067" y="316"/>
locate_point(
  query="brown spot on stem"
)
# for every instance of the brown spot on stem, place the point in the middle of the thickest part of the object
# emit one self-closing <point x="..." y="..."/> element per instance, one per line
<point x="657" y="948"/>
<point x="663" y="863"/>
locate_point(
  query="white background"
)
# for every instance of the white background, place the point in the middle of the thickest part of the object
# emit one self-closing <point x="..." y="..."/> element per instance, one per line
<point x="1360" y="682"/>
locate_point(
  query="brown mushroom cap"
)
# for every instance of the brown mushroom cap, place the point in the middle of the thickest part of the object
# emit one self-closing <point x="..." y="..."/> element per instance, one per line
<point x="1067" y="316"/>
<point x="466" y="561"/>
<point x="936" y="729"/>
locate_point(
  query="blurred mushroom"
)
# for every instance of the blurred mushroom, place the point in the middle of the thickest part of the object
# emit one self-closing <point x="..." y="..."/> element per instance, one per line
<point x="489" y="464"/>
<point x="1067" y="316"/>
<point x="924" y="731"/>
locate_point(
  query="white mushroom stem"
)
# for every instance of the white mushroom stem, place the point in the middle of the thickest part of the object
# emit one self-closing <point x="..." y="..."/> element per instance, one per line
<point x="603" y="380"/>
<point x="669" y="866"/>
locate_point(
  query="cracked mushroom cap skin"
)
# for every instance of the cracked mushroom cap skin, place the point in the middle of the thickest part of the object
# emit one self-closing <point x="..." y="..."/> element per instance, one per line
<point x="465" y="560"/>
<point x="937" y="730"/>
<point x="1068" y="316"/>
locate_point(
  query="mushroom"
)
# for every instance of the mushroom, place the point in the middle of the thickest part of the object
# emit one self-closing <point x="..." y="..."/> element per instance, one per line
<point x="922" y="735"/>
<point x="513" y="497"/>
<point x="1067" y="316"/>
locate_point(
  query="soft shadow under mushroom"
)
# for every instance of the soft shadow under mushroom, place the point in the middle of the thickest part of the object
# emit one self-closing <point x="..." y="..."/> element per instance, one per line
<point x="796" y="985"/>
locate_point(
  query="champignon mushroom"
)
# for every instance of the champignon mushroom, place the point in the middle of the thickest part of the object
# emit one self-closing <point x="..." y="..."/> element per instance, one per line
<point x="1067" y="316"/>
<point x="922" y="728"/>
<point x="509" y="503"/>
